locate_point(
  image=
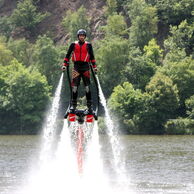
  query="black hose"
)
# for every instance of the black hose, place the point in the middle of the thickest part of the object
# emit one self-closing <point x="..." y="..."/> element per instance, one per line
<point x="69" y="80"/>
<point x="97" y="89"/>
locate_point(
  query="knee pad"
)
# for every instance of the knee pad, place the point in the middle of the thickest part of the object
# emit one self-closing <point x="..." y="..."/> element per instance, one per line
<point x="74" y="89"/>
<point x="87" y="88"/>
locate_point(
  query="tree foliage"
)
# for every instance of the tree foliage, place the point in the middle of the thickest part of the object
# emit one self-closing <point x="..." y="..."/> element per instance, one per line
<point x="190" y="107"/>
<point x="173" y="11"/>
<point x="73" y="21"/>
<point x="6" y="26"/>
<point x="23" y="94"/>
<point x="111" y="8"/>
<point x="22" y="50"/>
<point x="111" y="55"/>
<point x="5" y="54"/>
<point x="145" y="112"/>
<point x="46" y="58"/>
<point x="116" y="25"/>
<point x="164" y="95"/>
<point x="182" y="74"/>
<point x="27" y="16"/>
<point x="182" y="37"/>
<point x="144" y="22"/>
<point x="125" y="102"/>
<point x="139" y="68"/>
<point x="153" y="52"/>
<point x="179" y="126"/>
<point x="161" y="102"/>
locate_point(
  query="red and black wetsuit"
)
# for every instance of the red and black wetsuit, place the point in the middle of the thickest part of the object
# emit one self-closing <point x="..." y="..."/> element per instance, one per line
<point x="82" y="55"/>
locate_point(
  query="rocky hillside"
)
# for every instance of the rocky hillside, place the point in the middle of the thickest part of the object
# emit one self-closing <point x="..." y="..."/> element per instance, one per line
<point x="57" y="10"/>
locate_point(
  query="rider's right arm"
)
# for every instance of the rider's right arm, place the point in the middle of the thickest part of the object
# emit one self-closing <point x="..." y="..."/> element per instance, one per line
<point x="68" y="55"/>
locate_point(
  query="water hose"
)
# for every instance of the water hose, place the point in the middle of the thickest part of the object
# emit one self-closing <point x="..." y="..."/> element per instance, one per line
<point x="97" y="89"/>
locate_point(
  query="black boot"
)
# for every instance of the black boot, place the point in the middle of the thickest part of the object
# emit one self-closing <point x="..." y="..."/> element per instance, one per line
<point x="90" y="107"/>
<point x="73" y="106"/>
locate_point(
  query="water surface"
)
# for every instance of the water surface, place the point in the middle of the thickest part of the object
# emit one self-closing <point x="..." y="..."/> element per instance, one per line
<point x="153" y="164"/>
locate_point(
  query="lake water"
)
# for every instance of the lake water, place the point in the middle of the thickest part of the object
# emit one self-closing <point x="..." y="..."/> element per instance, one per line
<point x="153" y="164"/>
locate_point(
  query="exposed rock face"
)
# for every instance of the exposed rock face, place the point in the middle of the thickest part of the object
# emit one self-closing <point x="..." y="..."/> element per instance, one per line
<point x="58" y="9"/>
<point x="7" y="7"/>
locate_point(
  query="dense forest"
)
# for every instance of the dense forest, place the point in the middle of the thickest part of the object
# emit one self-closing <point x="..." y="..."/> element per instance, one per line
<point x="145" y="57"/>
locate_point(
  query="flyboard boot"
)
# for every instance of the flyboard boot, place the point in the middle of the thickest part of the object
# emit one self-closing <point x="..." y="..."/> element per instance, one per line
<point x="71" y="112"/>
<point x="73" y="106"/>
<point x="89" y="112"/>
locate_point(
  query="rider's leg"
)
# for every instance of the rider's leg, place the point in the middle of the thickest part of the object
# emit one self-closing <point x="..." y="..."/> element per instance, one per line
<point x="88" y="97"/>
<point x="76" y="77"/>
<point x="86" y="80"/>
<point x="74" y="97"/>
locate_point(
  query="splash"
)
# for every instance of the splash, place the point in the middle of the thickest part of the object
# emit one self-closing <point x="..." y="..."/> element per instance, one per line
<point x="94" y="176"/>
<point x="112" y="132"/>
<point x="119" y="161"/>
<point x="49" y="126"/>
<point x="41" y="173"/>
<point x="58" y="172"/>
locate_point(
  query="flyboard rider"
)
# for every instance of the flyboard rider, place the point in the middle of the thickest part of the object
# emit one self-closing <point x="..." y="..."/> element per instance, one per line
<point x="82" y="56"/>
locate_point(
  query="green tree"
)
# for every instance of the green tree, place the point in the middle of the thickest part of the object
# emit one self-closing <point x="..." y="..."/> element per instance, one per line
<point x="121" y="3"/>
<point x="36" y="2"/>
<point x="112" y="56"/>
<point x="180" y="126"/>
<point x="153" y="52"/>
<point x="182" y="37"/>
<point x="160" y="106"/>
<point x="142" y="66"/>
<point x="190" y="107"/>
<point x="111" y="7"/>
<point x="125" y="102"/>
<point x="27" y="16"/>
<point x="6" y="26"/>
<point x="175" y="56"/>
<point x="139" y="68"/>
<point x="164" y="95"/>
<point x="182" y="74"/>
<point x="5" y="54"/>
<point x="145" y="113"/>
<point x="24" y="94"/>
<point x="46" y="58"/>
<point x="116" y="25"/>
<point x="22" y="50"/>
<point x="144" y="22"/>
<point x="173" y="12"/>
<point x="73" y="21"/>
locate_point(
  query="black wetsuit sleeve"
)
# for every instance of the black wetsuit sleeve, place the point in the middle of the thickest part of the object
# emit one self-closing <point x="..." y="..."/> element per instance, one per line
<point x="70" y="50"/>
<point x="91" y="53"/>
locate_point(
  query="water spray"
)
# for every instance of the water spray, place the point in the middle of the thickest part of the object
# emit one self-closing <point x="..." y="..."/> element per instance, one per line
<point x="49" y="126"/>
<point x="112" y="133"/>
<point x="62" y="172"/>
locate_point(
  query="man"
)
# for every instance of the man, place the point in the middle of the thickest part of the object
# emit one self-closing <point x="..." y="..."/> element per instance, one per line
<point x="82" y="55"/>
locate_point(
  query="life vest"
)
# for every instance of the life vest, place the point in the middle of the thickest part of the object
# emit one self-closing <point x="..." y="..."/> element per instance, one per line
<point x="80" y="52"/>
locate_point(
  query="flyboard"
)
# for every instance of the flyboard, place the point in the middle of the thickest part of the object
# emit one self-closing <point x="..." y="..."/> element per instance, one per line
<point x="81" y="122"/>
